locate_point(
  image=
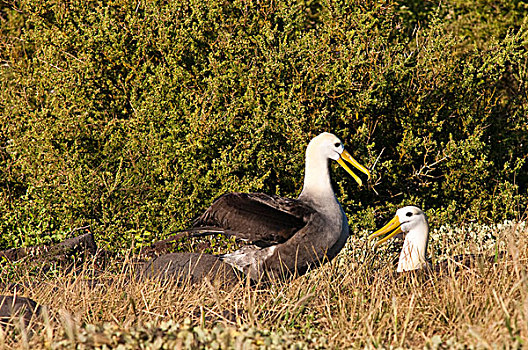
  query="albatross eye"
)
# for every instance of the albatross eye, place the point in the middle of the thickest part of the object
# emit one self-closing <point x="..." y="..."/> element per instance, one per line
<point x="408" y="214"/>
<point x="337" y="144"/>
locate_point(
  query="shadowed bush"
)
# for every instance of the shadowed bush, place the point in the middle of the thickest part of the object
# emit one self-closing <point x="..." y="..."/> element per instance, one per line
<point x="132" y="116"/>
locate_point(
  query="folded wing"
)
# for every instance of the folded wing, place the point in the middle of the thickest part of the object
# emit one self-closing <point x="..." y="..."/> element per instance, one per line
<point x="259" y="218"/>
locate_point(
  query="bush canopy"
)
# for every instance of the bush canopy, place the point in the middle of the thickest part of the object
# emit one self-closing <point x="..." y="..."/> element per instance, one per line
<point x="131" y="116"/>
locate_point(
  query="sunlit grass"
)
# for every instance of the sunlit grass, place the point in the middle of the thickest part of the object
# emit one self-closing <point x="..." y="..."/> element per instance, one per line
<point x="355" y="301"/>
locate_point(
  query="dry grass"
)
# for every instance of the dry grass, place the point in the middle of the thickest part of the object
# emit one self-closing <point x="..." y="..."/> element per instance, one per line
<point x="355" y="301"/>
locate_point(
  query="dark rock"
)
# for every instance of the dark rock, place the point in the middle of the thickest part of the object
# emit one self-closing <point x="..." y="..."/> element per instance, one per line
<point x="163" y="247"/>
<point x="84" y="244"/>
<point x="12" y="307"/>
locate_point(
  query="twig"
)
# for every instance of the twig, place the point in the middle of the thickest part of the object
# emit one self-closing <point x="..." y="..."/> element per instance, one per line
<point x="429" y="167"/>
<point x="376" y="161"/>
<point x="78" y="229"/>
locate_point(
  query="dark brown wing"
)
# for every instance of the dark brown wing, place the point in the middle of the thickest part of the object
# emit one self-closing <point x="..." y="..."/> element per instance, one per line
<point x="255" y="217"/>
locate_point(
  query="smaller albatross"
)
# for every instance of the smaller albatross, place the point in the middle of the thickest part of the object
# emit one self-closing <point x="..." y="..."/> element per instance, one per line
<point x="285" y="235"/>
<point x="411" y="222"/>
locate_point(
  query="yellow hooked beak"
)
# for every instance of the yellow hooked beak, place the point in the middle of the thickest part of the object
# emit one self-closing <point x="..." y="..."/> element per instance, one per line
<point x="393" y="224"/>
<point x="346" y="156"/>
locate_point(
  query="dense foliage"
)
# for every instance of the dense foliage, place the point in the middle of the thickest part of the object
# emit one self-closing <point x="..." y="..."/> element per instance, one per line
<point x="131" y="116"/>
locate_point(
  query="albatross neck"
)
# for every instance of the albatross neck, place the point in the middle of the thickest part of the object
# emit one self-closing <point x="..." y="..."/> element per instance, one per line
<point x="317" y="186"/>
<point x="414" y="251"/>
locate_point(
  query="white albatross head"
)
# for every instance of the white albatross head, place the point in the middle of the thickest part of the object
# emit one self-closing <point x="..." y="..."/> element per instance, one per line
<point x="412" y="222"/>
<point x="328" y="146"/>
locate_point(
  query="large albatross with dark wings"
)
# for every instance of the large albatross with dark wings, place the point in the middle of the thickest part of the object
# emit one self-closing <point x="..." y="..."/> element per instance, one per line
<point x="285" y="236"/>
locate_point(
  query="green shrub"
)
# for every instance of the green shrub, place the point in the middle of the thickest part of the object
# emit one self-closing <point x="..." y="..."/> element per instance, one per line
<point x="132" y="116"/>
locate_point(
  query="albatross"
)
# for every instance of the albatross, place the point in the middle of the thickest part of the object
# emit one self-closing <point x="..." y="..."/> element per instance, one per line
<point x="411" y="223"/>
<point x="284" y="235"/>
